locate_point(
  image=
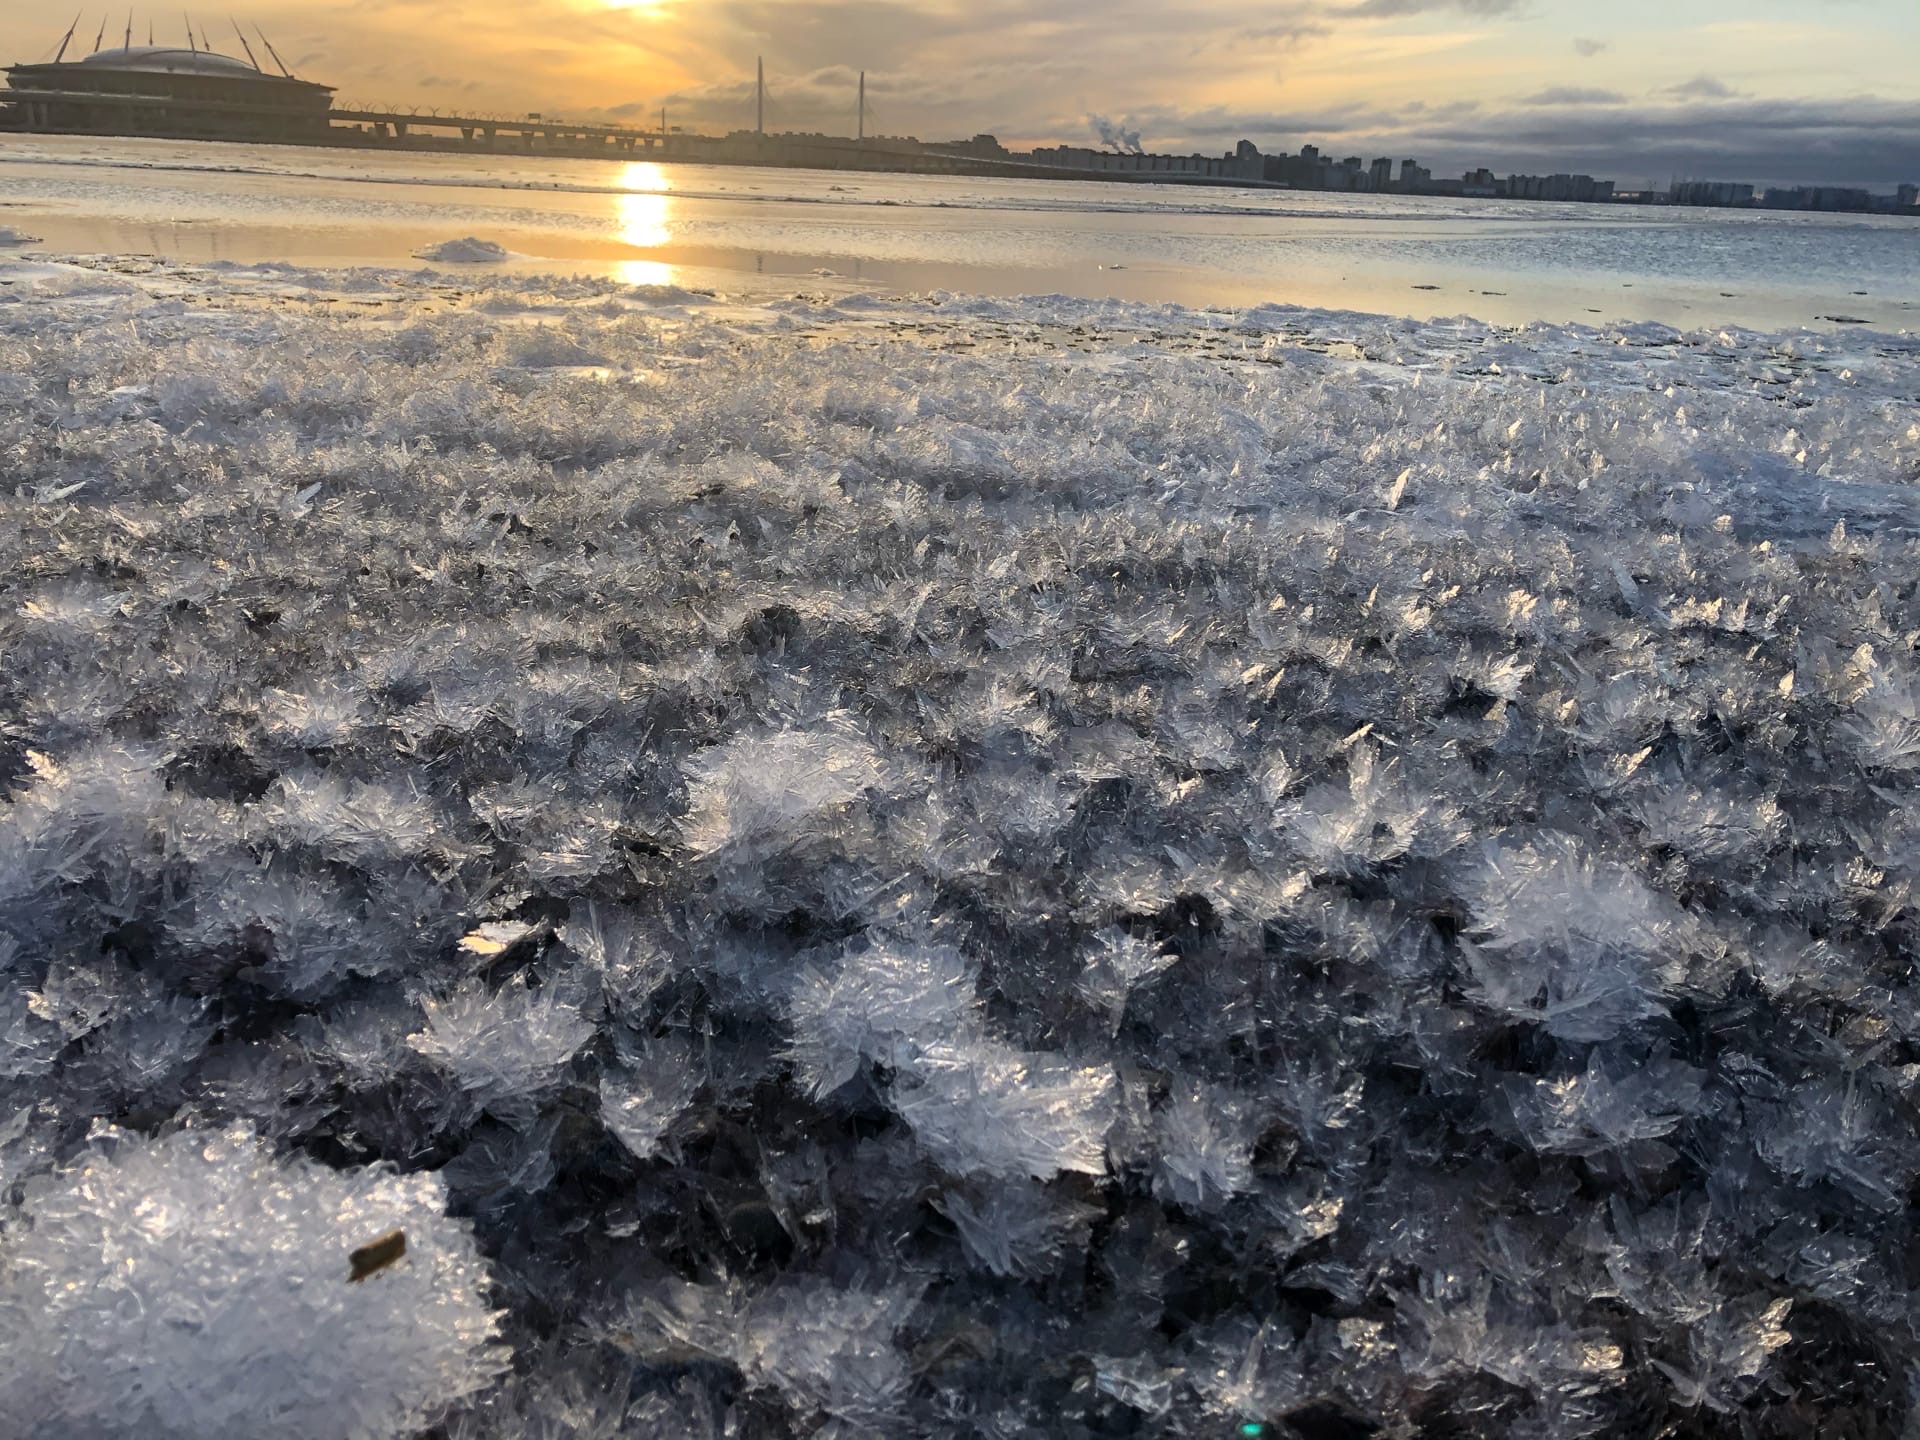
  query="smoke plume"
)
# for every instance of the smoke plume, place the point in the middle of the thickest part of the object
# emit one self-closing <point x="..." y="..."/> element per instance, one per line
<point x="1127" y="142"/>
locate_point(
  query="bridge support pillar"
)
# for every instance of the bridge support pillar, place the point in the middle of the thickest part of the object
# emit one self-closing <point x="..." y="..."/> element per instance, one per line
<point x="400" y="129"/>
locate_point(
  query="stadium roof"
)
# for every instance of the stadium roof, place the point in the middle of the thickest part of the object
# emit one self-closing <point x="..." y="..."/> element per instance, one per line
<point x="173" y="60"/>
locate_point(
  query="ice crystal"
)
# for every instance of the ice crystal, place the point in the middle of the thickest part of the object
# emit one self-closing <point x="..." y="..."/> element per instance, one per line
<point x="949" y="867"/>
<point x="984" y="1108"/>
<point x="504" y="1046"/>
<point x="1115" y="964"/>
<point x="1015" y="1227"/>
<point x="1205" y="1149"/>
<point x="886" y="1004"/>
<point x="640" y="1103"/>
<point x="198" y="1286"/>
<point x="761" y="793"/>
<point x="819" y="1345"/>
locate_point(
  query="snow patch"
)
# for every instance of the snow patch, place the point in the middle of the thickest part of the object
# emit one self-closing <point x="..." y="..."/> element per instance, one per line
<point x="470" y="250"/>
<point x="198" y="1286"/>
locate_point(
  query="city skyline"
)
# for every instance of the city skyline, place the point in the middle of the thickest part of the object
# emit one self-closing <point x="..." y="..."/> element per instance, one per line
<point x="1766" y="91"/>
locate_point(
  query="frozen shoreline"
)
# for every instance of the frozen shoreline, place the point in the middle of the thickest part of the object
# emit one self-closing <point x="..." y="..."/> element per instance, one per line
<point x="1631" y="353"/>
<point x="948" y="866"/>
<point x="760" y="230"/>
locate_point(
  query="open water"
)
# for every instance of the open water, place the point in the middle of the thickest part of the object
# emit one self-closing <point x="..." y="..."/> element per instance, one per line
<point x="755" y="230"/>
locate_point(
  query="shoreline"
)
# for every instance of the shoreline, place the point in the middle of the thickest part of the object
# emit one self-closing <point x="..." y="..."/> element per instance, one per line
<point x="819" y="154"/>
<point x="783" y="228"/>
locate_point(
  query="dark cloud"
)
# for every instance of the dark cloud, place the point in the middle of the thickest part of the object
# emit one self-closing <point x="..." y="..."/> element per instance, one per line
<point x="1575" y="95"/>
<point x="1863" y="142"/>
<point x="1860" y="142"/>
<point x="1586" y="47"/>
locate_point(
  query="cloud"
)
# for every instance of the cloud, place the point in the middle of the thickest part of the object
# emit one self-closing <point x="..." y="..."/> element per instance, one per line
<point x="1703" y="87"/>
<point x="1575" y="95"/>
<point x="1865" y="141"/>
<point x="1367" y="76"/>
<point x="1302" y="22"/>
<point x="1024" y="69"/>
<point x="937" y="103"/>
<point x="827" y="32"/>
<point x="1388" y="9"/>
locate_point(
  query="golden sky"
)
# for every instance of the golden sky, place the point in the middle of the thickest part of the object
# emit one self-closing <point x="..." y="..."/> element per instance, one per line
<point x="1761" y="89"/>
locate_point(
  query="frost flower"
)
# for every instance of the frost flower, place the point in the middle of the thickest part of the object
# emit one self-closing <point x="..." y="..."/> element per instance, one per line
<point x="502" y="1046"/>
<point x="197" y="1287"/>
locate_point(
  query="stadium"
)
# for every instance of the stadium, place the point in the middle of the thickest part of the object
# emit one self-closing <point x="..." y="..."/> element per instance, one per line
<point x="165" y="90"/>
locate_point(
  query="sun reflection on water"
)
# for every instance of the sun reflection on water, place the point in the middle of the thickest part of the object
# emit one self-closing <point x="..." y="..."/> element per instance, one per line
<point x="644" y="218"/>
<point x="643" y="272"/>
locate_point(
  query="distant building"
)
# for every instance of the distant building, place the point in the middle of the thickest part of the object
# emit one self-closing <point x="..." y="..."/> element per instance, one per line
<point x="1352" y="175"/>
<point x="1479" y="182"/>
<point x="1709" y="192"/>
<point x="1381" y="173"/>
<point x="1907" y="197"/>
<point x="1305" y="171"/>
<point x="1818" y="197"/>
<point x="1245" y="164"/>
<point x="1414" y="177"/>
<point x="1579" y="189"/>
<point x="164" y="90"/>
<point x="980" y="147"/>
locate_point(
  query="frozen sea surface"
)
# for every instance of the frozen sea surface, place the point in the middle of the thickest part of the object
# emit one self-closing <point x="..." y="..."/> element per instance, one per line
<point x="741" y="227"/>
<point x="849" y="867"/>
